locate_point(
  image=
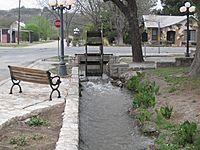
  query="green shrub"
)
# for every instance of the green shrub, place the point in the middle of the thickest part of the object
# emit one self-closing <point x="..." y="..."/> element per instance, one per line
<point x="146" y="96"/>
<point x="36" y="121"/>
<point x="134" y="82"/>
<point x="186" y="132"/>
<point x="196" y="142"/>
<point x="166" y="111"/>
<point x="143" y="115"/>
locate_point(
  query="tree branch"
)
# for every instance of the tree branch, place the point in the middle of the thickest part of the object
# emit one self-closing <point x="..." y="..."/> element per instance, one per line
<point x="120" y="5"/>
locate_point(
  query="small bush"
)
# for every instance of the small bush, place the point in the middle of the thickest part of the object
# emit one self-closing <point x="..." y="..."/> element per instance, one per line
<point x="146" y="96"/>
<point x="143" y="115"/>
<point x="166" y="111"/>
<point x="19" y="141"/>
<point x="134" y="82"/>
<point x="186" y="132"/>
<point x="36" y="121"/>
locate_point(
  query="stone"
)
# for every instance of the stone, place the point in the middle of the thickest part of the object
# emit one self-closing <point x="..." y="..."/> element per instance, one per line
<point x="150" y="128"/>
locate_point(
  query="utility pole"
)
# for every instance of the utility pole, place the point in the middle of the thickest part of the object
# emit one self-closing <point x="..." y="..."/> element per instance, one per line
<point x="18" y="31"/>
<point x="159" y="37"/>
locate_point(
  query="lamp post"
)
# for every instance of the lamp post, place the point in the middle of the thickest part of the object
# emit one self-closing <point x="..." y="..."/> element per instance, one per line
<point x="61" y="5"/>
<point x="187" y="8"/>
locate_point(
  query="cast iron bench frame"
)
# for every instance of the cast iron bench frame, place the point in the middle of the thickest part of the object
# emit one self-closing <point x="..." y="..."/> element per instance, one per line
<point x="19" y="74"/>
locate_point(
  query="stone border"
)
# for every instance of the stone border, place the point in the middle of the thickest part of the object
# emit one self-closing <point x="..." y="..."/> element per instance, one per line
<point x="69" y="133"/>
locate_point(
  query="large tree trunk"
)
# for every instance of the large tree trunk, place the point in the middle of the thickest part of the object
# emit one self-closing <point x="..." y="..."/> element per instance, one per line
<point x="119" y="39"/>
<point x="129" y="9"/>
<point x="195" y="67"/>
<point x="135" y="40"/>
<point x="135" y="33"/>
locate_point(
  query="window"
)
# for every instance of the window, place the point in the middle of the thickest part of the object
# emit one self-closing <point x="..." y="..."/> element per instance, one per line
<point x="192" y="35"/>
<point x="154" y="34"/>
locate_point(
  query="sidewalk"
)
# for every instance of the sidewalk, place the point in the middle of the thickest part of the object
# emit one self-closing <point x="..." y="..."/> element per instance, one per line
<point x="35" y="99"/>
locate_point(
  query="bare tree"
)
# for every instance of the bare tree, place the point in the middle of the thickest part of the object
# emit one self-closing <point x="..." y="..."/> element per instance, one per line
<point x="55" y="14"/>
<point x="91" y="9"/>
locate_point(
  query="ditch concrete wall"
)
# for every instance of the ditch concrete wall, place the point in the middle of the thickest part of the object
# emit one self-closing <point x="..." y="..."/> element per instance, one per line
<point x="69" y="133"/>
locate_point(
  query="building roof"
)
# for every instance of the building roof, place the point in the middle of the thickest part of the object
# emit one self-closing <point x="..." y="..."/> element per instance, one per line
<point x="153" y="21"/>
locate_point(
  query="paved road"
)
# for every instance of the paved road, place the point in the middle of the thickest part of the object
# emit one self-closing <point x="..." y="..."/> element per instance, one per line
<point x="27" y="55"/>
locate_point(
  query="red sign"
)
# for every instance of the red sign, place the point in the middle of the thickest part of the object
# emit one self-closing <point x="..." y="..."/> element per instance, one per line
<point x="57" y="23"/>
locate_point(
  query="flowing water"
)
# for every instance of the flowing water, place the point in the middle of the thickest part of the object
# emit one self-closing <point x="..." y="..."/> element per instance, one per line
<point x="104" y="121"/>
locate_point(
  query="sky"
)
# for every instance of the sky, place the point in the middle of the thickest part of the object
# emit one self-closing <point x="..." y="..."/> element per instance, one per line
<point x="159" y="6"/>
<point x="9" y="4"/>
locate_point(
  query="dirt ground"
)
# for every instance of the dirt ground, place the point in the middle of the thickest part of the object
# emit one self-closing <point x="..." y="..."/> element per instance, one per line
<point x="42" y="137"/>
<point x="185" y="102"/>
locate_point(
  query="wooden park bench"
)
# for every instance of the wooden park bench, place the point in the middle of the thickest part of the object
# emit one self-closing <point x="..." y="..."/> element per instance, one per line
<point x="19" y="74"/>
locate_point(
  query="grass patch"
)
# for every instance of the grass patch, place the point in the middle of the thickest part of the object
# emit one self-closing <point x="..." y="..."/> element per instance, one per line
<point x="176" y="77"/>
<point x="163" y="123"/>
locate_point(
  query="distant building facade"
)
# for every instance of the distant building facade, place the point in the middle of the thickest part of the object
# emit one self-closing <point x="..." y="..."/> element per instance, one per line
<point x="169" y="30"/>
<point x="10" y="35"/>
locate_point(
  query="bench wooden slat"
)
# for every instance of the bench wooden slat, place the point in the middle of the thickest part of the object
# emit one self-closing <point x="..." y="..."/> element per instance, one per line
<point x="29" y="70"/>
<point x="33" y="80"/>
<point x="29" y="74"/>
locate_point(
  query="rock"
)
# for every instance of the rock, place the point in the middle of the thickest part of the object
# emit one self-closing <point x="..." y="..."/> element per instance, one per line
<point x="151" y="147"/>
<point x="117" y="83"/>
<point x="150" y="128"/>
<point x="127" y="75"/>
<point x="132" y="111"/>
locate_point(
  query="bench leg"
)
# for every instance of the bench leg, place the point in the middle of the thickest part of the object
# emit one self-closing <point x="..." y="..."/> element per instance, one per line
<point x="50" y="98"/>
<point x="15" y="83"/>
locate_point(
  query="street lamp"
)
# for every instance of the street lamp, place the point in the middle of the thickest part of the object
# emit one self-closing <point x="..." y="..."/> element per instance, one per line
<point x="187" y="8"/>
<point x="61" y="5"/>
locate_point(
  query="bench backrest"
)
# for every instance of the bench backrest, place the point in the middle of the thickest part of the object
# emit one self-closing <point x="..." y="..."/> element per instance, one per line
<point x="29" y="75"/>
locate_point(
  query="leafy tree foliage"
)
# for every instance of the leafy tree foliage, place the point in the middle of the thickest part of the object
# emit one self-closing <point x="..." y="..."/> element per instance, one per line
<point x="36" y="32"/>
<point x="145" y="7"/>
<point x="43" y="25"/>
<point x="171" y="7"/>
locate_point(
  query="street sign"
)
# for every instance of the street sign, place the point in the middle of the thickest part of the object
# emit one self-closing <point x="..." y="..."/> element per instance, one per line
<point x="57" y="23"/>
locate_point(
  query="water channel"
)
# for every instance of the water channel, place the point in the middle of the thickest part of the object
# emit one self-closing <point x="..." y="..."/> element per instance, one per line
<point x="104" y="121"/>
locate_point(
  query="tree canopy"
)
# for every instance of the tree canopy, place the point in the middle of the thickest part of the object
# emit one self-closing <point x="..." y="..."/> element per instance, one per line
<point x="171" y="7"/>
<point x="43" y="26"/>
